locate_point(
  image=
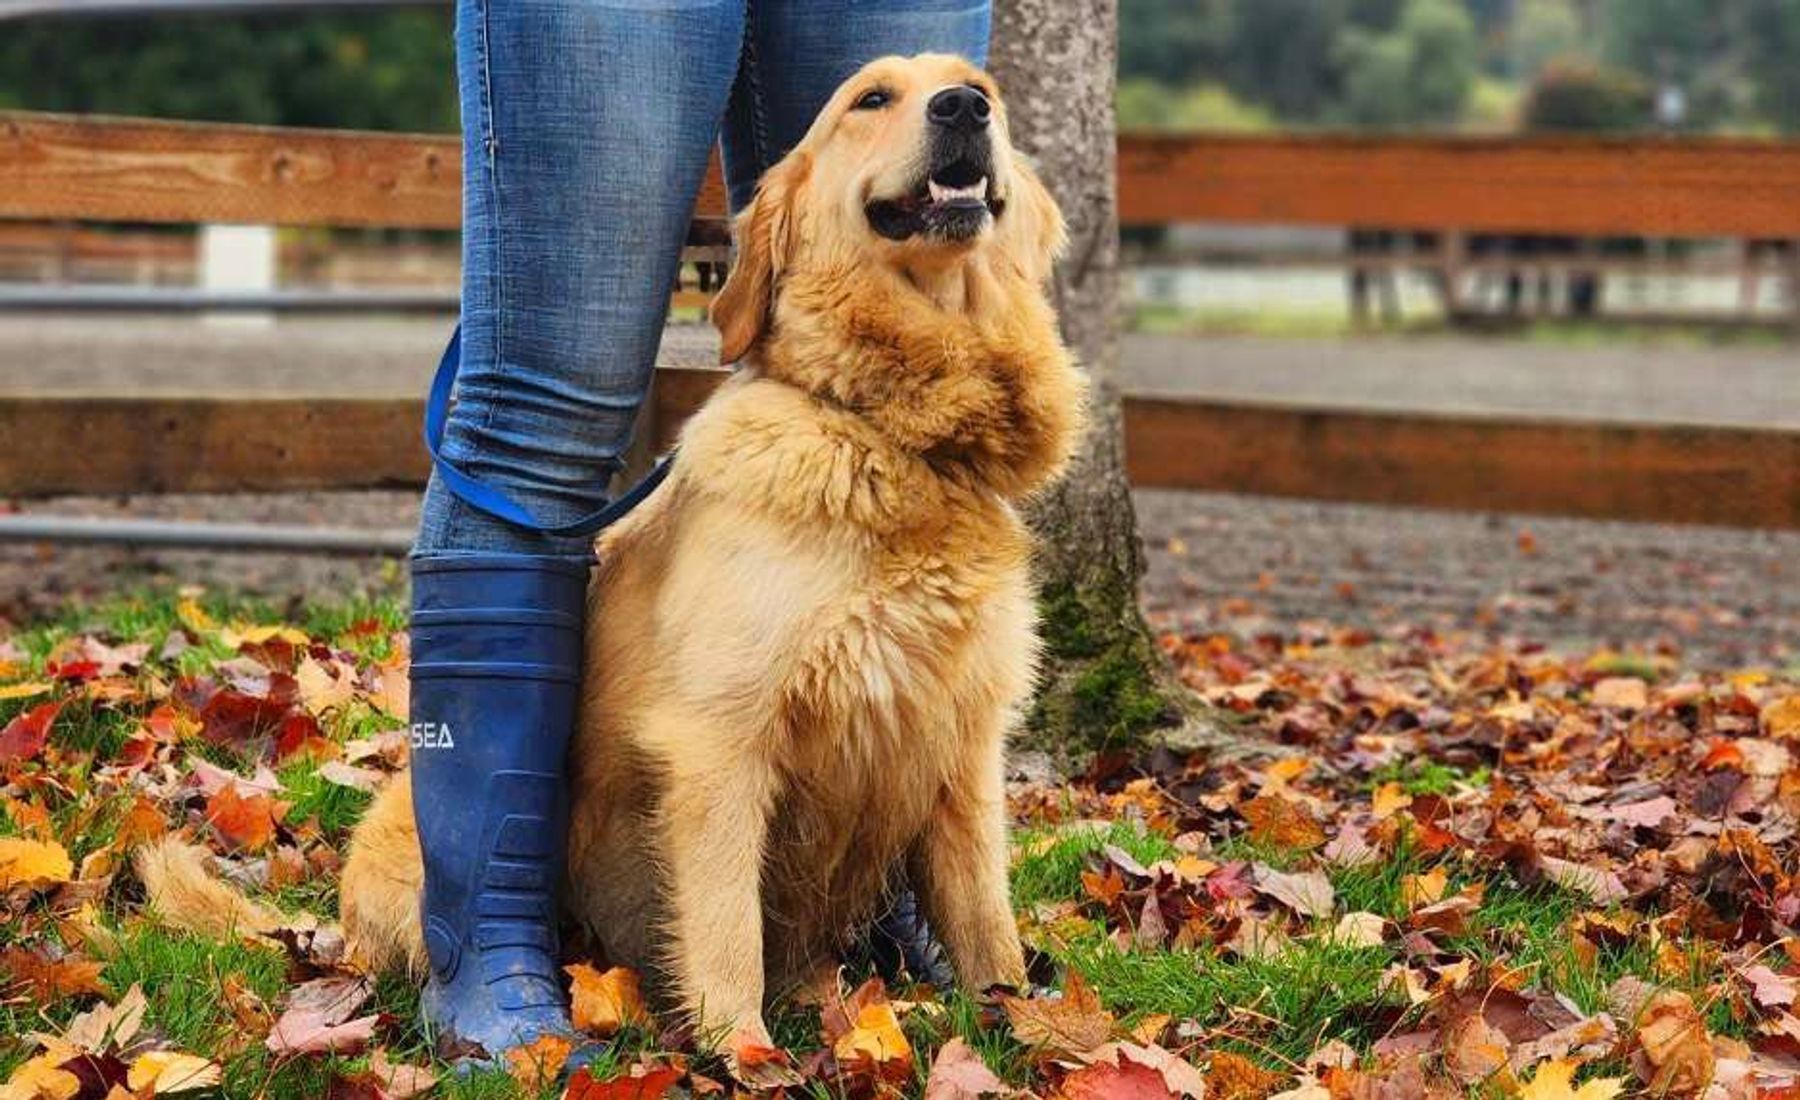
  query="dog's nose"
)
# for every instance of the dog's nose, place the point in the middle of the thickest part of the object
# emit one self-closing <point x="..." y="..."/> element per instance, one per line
<point x="959" y="108"/>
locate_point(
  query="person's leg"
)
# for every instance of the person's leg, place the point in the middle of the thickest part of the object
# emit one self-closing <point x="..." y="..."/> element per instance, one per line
<point x="586" y="127"/>
<point x="796" y="53"/>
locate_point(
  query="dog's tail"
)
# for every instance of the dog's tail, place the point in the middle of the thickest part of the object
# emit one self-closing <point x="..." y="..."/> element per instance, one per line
<point x="184" y="892"/>
<point x="378" y="892"/>
<point x="383" y="881"/>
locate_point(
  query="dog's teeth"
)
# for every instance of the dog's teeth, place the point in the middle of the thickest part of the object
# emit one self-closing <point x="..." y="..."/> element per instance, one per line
<point x="940" y="193"/>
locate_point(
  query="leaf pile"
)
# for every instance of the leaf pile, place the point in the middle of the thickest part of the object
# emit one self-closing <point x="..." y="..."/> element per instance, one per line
<point x="1463" y="869"/>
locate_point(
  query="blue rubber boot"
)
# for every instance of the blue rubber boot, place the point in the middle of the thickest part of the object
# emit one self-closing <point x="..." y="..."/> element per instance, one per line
<point x="496" y="666"/>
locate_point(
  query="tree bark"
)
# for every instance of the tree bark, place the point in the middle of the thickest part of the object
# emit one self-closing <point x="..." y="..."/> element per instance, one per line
<point x="1105" y="683"/>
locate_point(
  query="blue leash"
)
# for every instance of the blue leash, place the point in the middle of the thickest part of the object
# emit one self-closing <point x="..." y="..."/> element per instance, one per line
<point x="491" y="500"/>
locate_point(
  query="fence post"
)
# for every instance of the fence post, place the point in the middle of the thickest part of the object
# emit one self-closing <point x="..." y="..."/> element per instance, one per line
<point x="238" y="258"/>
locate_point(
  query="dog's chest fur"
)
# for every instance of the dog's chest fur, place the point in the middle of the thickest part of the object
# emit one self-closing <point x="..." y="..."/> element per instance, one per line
<point x="839" y="611"/>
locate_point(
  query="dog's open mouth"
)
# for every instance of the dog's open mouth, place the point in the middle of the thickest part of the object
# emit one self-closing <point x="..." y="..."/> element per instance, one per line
<point x="954" y="202"/>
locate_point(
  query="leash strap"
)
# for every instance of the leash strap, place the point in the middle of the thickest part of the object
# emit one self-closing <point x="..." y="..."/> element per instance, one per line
<point x="488" y="499"/>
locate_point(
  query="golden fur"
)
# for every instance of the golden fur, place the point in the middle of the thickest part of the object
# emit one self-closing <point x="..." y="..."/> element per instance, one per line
<point x="807" y="646"/>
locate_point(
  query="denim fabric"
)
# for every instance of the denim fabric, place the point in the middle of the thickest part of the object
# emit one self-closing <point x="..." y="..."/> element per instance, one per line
<point x="586" y="127"/>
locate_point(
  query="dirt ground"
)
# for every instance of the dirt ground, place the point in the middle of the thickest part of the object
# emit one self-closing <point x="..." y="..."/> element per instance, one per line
<point x="1246" y="565"/>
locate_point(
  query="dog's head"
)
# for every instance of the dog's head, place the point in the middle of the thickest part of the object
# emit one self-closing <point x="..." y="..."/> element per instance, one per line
<point x="909" y="168"/>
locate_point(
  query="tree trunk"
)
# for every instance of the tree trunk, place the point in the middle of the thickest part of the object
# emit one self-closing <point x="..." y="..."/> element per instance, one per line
<point x="1105" y="683"/>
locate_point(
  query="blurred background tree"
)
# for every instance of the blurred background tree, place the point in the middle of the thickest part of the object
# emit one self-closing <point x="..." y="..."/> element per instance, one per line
<point x="1184" y="64"/>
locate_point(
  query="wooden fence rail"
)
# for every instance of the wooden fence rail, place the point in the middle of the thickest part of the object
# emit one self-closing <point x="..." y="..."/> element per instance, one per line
<point x="97" y="168"/>
<point x="135" y="170"/>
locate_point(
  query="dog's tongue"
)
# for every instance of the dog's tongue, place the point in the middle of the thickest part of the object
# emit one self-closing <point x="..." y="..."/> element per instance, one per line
<point x="976" y="191"/>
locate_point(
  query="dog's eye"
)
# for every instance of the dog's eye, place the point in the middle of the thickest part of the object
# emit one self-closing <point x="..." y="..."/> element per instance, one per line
<point x="873" y="100"/>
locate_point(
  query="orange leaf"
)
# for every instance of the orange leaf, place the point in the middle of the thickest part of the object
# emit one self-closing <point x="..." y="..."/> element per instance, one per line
<point x="650" y="1084"/>
<point x="603" y="1004"/>
<point x="247" y="823"/>
<point x="540" y="1063"/>
<point x="1071" y="1024"/>
<point x="875" y="1040"/>
<point x="52" y="979"/>
<point x="1282" y="823"/>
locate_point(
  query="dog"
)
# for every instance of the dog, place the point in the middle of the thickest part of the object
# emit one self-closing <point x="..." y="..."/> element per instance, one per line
<point x="807" y="647"/>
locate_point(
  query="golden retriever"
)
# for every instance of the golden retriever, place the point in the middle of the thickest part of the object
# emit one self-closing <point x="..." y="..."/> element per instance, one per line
<point x="807" y="647"/>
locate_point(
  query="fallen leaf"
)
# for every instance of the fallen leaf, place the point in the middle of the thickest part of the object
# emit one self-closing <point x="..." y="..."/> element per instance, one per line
<point x="41" y="1078"/>
<point x="1599" y="883"/>
<point x="1360" y="929"/>
<point x="539" y="1064"/>
<point x="27" y="734"/>
<point x="1124" y="1079"/>
<point x="348" y="775"/>
<point x="1474" y="1049"/>
<point x="33" y="863"/>
<point x="1621" y="692"/>
<point x="52" y="979"/>
<point x="246" y="824"/>
<point x="958" y="1073"/>
<point x="1770" y="989"/>
<point x="1554" y="1081"/>
<point x="1423" y="889"/>
<point x="1674" y="1042"/>
<point x="1179" y="1075"/>
<point x="1282" y="823"/>
<point x="603" y="1004"/>
<point x="1308" y="893"/>
<point x="640" y="1083"/>
<point x="161" y="1072"/>
<point x="317" y="1018"/>
<point x="400" y="1081"/>
<point x="761" y="1068"/>
<point x="875" y="1040"/>
<point x="105" y="1027"/>
<point x="27" y="690"/>
<point x="1070" y="1024"/>
<point x="1231" y="1076"/>
<point x="321" y="688"/>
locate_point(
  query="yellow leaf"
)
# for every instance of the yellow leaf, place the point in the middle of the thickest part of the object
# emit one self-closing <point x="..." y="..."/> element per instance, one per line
<point x="41" y="1078"/>
<point x="33" y="863"/>
<point x="603" y="1004"/>
<point x="23" y="691"/>
<point x="1781" y="718"/>
<point x="1554" y="1081"/>
<point x="1390" y="799"/>
<point x="321" y="691"/>
<point x="262" y="635"/>
<point x="1418" y="890"/>
<point x="166" y="1071"/>
<point x="194" y="617"/>
<point x="876" y="1036"/>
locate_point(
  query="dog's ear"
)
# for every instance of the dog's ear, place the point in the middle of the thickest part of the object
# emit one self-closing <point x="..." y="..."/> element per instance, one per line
<point x="1042" y="234"/>
<point x="763" y="233"/>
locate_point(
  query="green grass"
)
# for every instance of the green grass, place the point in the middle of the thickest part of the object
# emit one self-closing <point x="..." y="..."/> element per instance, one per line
<point x="1275" y="1008"/>
<point x="1334" y="323"/>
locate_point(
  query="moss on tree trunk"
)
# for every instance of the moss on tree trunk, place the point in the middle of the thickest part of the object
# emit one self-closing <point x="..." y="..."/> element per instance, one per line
<point x="1104" y="683"/>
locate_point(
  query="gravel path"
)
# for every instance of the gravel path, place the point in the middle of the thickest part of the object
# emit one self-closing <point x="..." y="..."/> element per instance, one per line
<point x="1216" y="562"/>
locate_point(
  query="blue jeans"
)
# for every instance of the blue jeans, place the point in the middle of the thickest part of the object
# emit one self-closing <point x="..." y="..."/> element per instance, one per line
<point x="586" y="128"/>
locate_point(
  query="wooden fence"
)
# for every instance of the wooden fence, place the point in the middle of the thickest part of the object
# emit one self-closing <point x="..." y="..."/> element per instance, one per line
<point x="129" y="170"/>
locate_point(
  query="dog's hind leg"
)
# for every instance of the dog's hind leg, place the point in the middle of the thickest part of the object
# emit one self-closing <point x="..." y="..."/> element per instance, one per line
<point x="380" y="889"/>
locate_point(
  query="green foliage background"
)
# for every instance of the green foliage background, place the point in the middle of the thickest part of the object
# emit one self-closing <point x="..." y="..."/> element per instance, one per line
<point x="1184" y="64"/>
